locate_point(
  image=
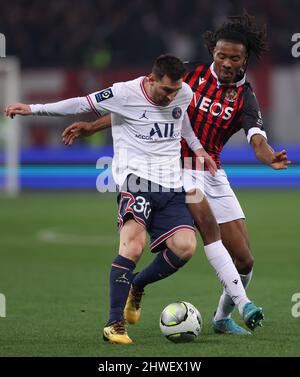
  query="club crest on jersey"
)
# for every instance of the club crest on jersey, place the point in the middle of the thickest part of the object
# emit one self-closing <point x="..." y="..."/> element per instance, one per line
<point x="176" y="112"/>
<point x="201" y="80"/>
<point x="231" y="94"/>
<point x="104" y="94"/>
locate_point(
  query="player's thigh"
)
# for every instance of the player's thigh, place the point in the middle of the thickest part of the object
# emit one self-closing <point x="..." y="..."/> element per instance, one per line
<point x="204" y="218"/>
<point x="134" y="216"/>
<point x="199" y="207"/>
<point x="170" y="217"/>
<point x="221" y="198"/>
<point x="231" y="219"/>
<point x="235" y="238"/>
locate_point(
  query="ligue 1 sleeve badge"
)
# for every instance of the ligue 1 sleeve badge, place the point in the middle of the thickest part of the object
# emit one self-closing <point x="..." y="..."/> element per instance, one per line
<point x="176" y="113"/>
<point x="104" y="94"/>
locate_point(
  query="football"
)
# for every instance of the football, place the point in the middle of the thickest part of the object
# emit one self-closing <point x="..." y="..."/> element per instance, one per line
<point x="180" y="322"/>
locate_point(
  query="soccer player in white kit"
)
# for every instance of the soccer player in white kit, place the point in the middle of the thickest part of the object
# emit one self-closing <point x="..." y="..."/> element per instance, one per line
<point x="147" y="116"/>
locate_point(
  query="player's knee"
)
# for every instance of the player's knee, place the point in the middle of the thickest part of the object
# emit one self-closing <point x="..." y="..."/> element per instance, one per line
<point x="245" y="264"/>
<point x="190" y="249"/>
<point x="205" y="221"/>
<point x="184" y="245"/>
<point x="208" y="228"/>
<point x="248" y="265"/>
<point x="132" y="248"/>
<point x="132" y="240"/>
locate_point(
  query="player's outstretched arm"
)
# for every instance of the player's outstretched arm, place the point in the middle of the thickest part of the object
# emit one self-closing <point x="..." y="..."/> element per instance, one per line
<point x="85" y="129"/>
<point x="71" y="106"/>
<point x="265" y="154"/>
<point x="17" y="109"/>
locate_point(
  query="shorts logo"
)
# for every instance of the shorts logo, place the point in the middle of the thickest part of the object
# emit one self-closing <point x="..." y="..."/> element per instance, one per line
<point x="104" y="94"/>
<point x="176" y="112"/>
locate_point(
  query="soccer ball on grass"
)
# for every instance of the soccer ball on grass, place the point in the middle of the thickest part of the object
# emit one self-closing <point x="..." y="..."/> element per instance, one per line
<point x="180" y="322"/>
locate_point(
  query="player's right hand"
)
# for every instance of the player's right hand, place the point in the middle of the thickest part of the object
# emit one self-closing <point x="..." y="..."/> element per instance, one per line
<point x="75" y="131"/>
<point x="210" y="163"/>
<point x="280" y="160"/>
<point x="17" y="109"/>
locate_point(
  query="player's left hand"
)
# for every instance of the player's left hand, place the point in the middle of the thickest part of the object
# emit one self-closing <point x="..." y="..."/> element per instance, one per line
<point x="280" y="160"/>
<point x="210" y="163"/>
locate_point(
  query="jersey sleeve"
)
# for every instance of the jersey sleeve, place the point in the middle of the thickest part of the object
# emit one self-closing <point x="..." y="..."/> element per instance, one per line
<point x="71" y="106"/>
<point x="109" y="100"/>
<point x="252" y="122"/>
<point x="187" y="95"/>
<point x="189" y="135"/>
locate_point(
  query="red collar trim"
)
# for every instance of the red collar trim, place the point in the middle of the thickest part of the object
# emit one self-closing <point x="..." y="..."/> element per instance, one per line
<point x="149" y="99"/>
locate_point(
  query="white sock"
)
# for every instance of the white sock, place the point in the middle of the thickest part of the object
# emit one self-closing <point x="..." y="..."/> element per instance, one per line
<point x="246" y="279"/>
<point x="226" y="305"/>
<point x="227" y="273"/>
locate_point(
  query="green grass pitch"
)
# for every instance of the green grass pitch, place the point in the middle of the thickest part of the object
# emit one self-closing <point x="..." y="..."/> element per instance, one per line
<point x="56" y="251"/>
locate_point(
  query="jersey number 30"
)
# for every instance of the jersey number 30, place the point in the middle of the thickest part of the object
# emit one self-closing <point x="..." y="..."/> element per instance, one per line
<point x="142" y="206"/>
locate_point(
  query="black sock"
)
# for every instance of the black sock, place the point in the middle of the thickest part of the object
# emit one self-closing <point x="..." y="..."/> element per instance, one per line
<point x="120" y="283"/>
<point x="164" y="264"/>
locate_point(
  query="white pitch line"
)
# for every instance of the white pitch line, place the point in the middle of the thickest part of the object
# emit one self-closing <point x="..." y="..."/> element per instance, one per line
<point x="53" y="236"/>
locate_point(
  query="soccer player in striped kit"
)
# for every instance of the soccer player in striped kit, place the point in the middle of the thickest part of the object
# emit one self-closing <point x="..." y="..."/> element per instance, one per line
<point x="222" y="104"/>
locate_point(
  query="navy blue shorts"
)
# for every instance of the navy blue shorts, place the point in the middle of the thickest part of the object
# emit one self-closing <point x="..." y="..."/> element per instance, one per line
<point x="161" y="213"/>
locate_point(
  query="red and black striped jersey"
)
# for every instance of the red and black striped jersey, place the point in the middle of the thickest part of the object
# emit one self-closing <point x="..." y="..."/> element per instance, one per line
<point x="218" y="111"/>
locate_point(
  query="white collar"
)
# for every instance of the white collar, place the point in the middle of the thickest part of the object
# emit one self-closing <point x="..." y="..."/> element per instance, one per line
<point x="237" y="84"/>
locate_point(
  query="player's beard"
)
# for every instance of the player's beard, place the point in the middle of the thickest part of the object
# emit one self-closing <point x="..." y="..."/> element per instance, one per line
<point x="164" y="102"/>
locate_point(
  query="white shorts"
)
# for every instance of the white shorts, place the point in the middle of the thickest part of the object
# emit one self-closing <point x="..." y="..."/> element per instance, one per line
<point x="217" y="190"/>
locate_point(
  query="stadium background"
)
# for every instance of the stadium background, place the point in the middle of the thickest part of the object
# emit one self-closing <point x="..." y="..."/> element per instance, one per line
<point x="58" y="236"/>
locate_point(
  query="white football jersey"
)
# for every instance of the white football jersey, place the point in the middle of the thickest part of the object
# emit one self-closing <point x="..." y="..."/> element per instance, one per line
<point x="146" y="137"/>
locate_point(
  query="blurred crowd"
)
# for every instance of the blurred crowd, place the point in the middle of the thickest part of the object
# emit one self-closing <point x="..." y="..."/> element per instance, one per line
<point x="122" y="33"/>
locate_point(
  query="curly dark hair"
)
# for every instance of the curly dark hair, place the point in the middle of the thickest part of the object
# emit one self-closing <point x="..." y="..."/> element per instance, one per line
<point x="242" y="29"/>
